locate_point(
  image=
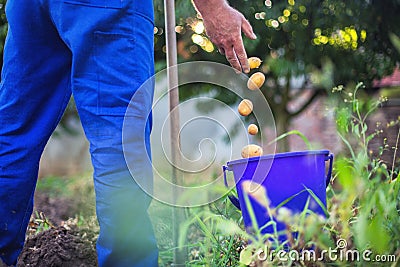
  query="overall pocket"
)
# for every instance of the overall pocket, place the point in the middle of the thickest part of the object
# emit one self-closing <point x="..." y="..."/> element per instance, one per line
<point x="117" y="66"/>
<point x="97" y="3"/>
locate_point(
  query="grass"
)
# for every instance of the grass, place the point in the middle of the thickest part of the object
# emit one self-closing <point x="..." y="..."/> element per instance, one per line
<point x="71" y="186"/>
<point x="363" y="209"/>
<point x="74" y="192"/>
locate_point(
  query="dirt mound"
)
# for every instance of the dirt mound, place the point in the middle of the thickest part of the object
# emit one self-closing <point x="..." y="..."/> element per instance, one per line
<point x="61" y="247"/>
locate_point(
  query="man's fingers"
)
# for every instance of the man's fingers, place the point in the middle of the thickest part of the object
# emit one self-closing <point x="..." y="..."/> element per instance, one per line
<point x="247" y="29"/>
<point x="231" y="57"/>
<point x="241" y="55"/>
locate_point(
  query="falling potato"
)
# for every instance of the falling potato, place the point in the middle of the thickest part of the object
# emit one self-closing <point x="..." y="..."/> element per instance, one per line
<point x="251" y="151"/>
<point x="252" y="129"/>
<point x="256" y="81"/>
<point x="245" y="107"/>
<point x="254" y="62"/>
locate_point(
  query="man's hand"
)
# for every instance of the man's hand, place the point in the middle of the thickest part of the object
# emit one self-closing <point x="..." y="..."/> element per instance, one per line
<point x="224" y="26"/>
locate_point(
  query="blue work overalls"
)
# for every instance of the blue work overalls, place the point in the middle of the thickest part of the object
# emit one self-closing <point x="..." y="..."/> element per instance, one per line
<point x="101" y="51"/>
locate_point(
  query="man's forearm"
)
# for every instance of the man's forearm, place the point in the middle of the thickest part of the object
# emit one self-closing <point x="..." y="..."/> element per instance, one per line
<point x="204" y="6"/>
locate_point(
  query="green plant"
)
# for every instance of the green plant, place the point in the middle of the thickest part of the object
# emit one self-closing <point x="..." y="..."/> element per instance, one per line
<point x="369" y="194"/>
<point x="363" y="213"/>
<point x="39" y="223"/>
<point x="215" y="238"/>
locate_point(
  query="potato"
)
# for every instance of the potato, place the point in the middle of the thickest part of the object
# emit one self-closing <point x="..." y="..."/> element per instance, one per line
<point x="257" y="191"/>
<point x="252" y="129"/>
<point x="245" y="107"/>
<point x="251" y="151"/>
<point x="256" y="81"/>
<point x="254" y="62"/>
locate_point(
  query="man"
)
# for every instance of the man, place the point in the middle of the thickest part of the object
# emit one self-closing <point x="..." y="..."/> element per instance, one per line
<point x="101" y="51"/>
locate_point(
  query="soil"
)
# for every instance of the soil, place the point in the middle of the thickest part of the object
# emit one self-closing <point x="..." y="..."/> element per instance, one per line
<point x="60" y="246"/>
<point x="56" y="209"/>
<point x="64" y="244"/>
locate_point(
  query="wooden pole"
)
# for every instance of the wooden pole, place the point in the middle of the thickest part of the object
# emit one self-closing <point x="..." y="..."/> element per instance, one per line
<point x="180" y="255"/>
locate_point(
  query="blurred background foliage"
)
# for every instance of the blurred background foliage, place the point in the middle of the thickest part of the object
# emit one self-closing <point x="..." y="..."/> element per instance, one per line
<point x="3" y="27"/>
<point x="307" y="47"/>
<point x="304" y="44"/>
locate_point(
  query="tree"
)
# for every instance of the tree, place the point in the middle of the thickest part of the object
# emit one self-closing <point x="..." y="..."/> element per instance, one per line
<point x="307" y="46"/>
<point x="3" y="29"/>
<point x="304" y="44"/>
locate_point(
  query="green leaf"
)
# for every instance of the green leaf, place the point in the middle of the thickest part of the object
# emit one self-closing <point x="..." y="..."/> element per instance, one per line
<point x="395" y="41"/>
<point x="345" y="174"/>
<point x="377" y="234"/>
<point x="360" y="229"/>
<point x="293" y="132"/>
<point x="347" y="144"/>
<point x="251" y="212"/>
<point x="342" y="120"/>
<point x="316" y="198"/>
<point x="364" y="128"/>
<point x="288" y="199"/>
<point x="356" y="129"/>
<point x="184" y="228"/>
<point x="229" y="227"/>
<point x="396" y="185"/>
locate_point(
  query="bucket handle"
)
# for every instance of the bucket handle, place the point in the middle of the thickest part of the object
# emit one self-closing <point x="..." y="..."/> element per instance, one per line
<point x="329" y="174"/>
<point x="232" y="198"/>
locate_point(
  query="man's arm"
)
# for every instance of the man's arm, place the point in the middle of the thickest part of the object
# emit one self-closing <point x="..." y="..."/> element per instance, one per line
<point x="224" y="26"/>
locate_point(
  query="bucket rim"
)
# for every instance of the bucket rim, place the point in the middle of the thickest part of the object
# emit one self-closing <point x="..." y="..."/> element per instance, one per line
<point x="280" y="155"/>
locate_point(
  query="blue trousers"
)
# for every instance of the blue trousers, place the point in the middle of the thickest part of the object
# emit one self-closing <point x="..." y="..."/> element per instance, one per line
<point x="101" y="51"/>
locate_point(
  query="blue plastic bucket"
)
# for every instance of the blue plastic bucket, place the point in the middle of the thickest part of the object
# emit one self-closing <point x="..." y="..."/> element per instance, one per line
<point x="285" y="176"/>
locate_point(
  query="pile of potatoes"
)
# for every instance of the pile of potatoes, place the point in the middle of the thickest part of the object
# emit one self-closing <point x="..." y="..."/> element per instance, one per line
<point x="245" y="107"/>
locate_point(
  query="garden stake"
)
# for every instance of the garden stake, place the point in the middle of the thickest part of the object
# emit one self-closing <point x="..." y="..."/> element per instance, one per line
<point x="180" y="255"/>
